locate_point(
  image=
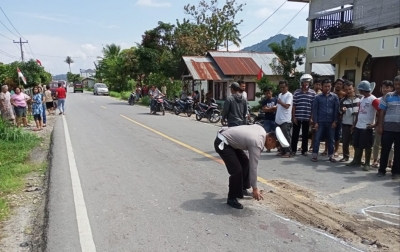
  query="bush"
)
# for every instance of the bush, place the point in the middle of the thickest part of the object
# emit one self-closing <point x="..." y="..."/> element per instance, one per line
<point x="145" y="101"/>
<point x="115" y="94"/>
<point x="9" y="132"/>
<point x="125" y="95"/>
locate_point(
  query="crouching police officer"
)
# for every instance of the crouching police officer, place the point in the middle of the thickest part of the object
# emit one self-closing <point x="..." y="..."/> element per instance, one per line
<point x="230" y="145"/>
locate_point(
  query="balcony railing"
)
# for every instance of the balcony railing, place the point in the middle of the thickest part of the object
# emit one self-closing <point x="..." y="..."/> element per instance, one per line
<point x="333" y="25"/>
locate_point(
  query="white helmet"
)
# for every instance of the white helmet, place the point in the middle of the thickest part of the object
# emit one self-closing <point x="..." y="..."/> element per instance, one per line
<point x="306" y="77"/>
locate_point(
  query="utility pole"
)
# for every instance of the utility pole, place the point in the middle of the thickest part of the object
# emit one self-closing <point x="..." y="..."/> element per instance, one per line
<point x="20" y="45"/>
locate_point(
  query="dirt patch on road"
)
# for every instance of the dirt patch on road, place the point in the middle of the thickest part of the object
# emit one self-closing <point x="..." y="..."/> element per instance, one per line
<point x="301" y="205"/>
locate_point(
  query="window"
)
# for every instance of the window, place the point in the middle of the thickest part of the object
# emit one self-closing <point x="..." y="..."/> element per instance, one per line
<point x="396" y="42"/>
<point x="220" y="90"/>
<point x="251" y="91"/>
<point x="351" y="75"/>
<point x="383" y="44"/>
<point x="323" y="52"/>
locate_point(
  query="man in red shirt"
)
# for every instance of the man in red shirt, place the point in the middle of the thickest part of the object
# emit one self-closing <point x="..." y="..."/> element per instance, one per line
<point x="61" y="95"/>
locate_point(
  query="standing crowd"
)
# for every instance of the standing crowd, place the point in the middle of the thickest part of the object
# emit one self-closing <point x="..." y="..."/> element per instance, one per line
<point x="366" y="122"/>
<point x="363" y="120"/>
<point x="15" y="106"/>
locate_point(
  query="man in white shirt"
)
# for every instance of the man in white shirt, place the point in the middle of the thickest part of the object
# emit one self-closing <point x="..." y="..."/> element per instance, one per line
<point x="243" y="88"/>
<point x="283" y="117"/>
<point x="363" y="126"/>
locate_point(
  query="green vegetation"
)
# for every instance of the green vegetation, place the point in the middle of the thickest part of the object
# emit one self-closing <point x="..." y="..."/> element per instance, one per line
<point x="15" y="148"/>
<point x="288" y="60"/>
<point x="33" y="72"/>
<point x="156" y="60"/>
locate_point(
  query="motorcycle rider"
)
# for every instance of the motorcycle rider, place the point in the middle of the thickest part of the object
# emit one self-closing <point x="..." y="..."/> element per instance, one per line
<point x="153" y="93"/>
<point x="235" y="107"/>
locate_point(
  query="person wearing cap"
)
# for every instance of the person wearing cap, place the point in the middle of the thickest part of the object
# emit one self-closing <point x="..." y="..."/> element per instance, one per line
<point x="389" y="128"/>
<point x="324" y="115"/>
<point x="235" y="107"/>
<point x="230" y="144"/>
<point x="363" y="126"/>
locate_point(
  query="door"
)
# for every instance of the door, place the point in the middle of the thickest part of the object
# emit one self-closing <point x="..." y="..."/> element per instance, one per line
<point x="382" y="69"/>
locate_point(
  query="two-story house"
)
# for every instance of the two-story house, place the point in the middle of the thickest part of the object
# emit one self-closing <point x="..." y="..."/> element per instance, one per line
<point x="361" y="37"/>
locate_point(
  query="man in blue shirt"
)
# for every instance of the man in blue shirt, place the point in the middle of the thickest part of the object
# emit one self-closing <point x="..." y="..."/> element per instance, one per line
<point x="325" y="111"/>
<point x="269" y="109"/>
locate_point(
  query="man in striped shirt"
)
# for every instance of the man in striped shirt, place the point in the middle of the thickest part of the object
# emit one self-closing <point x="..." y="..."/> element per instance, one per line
<point x="389" y="128"/>
<point x="301" y="114"/>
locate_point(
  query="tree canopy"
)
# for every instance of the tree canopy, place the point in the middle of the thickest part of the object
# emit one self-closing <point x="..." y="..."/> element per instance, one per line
<point x="32" y="71"/>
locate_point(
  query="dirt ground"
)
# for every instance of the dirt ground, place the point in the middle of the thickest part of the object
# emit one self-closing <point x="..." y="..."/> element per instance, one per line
<point x="24" y="229"/>
<point x="301" y="205"/>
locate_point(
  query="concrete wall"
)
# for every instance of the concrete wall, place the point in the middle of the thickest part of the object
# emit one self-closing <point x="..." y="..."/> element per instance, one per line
<point x="379" y="44"/>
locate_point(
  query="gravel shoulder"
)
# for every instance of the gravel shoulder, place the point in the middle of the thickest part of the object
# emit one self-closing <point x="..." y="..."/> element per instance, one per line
<point x="24" y="229"/>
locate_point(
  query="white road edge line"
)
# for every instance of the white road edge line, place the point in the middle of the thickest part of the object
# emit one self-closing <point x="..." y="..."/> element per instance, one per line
<point x="85" y="231"/>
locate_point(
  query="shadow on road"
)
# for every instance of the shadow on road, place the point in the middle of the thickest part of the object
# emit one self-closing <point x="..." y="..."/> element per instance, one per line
<point x="212" y="205"/>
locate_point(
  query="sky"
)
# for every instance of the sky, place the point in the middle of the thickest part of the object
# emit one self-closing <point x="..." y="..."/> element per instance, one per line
<point x="56" y="29"/>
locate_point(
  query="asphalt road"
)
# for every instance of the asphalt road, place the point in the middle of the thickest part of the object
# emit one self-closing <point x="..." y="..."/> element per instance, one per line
<point x="148" y="185"/>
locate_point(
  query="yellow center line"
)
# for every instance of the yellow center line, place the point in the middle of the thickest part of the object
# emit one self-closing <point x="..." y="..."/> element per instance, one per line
<point x="218" y="160"/>
<point x="103" y="107"/>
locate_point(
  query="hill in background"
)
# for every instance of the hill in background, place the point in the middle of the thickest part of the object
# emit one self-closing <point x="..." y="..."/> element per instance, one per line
<point x="263" y="45"/>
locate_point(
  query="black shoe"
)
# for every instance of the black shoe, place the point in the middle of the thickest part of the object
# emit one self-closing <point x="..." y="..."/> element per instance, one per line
<point x="380" y="174"/>
<point x="234" y="203"/>
<point x="247" y="193"/>
<point x="396" y="176"/>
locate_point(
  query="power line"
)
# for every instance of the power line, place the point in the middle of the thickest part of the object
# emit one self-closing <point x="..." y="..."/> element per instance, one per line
<point x="262" y="22"/>
<point x="17" y="31"/>
<point x="7" y="54"/>
<point x="12" y="24"/>
<point x="5" y="37"/>
<point x="20" y="45"/>
<point x="56" y="56"/>
<point x="8" y="29"/>
<point x="263" y="45"/>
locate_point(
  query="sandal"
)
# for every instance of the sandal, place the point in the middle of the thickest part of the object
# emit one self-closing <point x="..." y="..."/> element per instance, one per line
<point x="332" y="160"/>
<point x="279" y="154"/>
<point x="375" y="165"/>
<point x="44" y="125"/>
<point x="314" y="159"/>
<point x="324" y="153"/>
<point x="345" y="159"/>
<point x="304" y="154"/>
<point x="336" y="155"/>
<point x="310" y="150"/>
<point x="36" y="129"/>
<point x="286" y="156"/>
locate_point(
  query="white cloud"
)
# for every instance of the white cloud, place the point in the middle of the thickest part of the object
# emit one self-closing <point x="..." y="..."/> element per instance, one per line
<point x="152" y="3"/>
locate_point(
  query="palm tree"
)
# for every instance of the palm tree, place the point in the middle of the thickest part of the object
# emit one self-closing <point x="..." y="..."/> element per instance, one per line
<point x="69" y="61"/>
<point x="110" y="51"/>
<point x="231" y="34"/>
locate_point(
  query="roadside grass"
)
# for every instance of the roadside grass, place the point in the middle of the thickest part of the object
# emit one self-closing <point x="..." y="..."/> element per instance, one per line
<point x="88" y="89"/>
<point x="15" y="148"/>
<point x="124" y="95"/>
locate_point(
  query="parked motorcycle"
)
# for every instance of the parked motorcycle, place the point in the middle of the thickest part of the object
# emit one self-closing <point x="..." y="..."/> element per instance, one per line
<point x="168" y="104"/>
<point x="182" y="106"/>
<point x="132" y="99"/>
<point x="210" y="112"/>
<point x="159" y="105"/>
